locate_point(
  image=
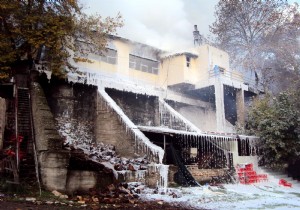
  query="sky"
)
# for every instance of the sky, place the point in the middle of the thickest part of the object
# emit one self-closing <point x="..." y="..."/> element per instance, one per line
<point x="165" y="24"/>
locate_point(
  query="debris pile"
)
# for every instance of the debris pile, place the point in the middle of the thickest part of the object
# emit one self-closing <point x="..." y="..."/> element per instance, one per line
<point x="78" y="137"/>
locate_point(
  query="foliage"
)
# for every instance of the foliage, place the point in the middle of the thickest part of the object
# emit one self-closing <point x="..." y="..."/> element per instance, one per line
<point x="260" y="36"/>
<point x="276" y="120"/>
<point x="45" y="30"/>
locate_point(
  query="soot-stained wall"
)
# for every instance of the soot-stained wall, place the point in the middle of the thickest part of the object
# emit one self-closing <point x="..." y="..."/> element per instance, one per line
<point x="77" y="101"/>
<point x="72" y="101"/>
<point x="230" y="105"/>
<point x="203" y="118"/>
<point x="141" y="109"/>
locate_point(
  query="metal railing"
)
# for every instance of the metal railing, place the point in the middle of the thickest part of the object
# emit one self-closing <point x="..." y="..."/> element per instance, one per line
<point x="235" y="76"/>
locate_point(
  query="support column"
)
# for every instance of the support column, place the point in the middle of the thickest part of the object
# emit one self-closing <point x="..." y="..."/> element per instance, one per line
<point x="220" y="111"/>
<point x="240" y="107"/>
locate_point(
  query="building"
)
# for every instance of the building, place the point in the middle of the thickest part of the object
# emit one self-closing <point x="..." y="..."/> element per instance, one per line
<point x="177" y="109"/>
<point x="195" y="94"/>
<point x="201" y="76"/>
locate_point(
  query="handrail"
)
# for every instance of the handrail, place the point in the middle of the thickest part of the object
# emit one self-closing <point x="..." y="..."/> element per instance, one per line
<point x="16" y="129"/>
<point x="34" y="146"/>
<point x="189" y="126"/>
<point x="234" y="76"/>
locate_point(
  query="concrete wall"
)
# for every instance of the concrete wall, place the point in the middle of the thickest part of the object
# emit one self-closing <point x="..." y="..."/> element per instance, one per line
<point x="76" y="101"/>
<point x="110" y="130"/>
<point x="46" y="135"/>
<point x="53" y="169"/>
<point x="203" y="118"/>
<point x="140" y="109"/>
<point x="52" y="159"/>
<point x="2" y="120"/>
<point x="174" y="70"/>
<point x="210" y="56"/>
<point x="171" y="71"/>
<point x="121" y="69"/>
<point x="81" y="180"/>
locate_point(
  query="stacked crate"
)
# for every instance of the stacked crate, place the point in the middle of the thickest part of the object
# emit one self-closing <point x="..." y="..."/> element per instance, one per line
<point x="247" y="175"/>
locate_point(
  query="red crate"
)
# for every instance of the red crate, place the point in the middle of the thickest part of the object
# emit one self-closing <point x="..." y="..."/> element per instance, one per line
<point x="249" y="166"/>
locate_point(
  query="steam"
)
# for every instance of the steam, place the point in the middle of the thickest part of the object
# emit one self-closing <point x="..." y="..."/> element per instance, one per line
<point x="166" y="24"/>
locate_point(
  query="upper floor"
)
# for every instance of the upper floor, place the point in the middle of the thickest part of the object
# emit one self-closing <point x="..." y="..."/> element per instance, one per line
<point x="131" y="61"/>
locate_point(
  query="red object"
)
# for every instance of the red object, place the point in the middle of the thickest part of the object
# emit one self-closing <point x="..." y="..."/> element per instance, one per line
<point x="285" y="183"/>
<point x="247" y="175"/>
<point x="10" y="153"/>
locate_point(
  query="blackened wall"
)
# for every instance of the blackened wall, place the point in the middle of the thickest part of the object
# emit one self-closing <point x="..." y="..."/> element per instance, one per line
<point x="141" y="109"/>
<point x="78" y="100"/>
<point x="72" y="101"/>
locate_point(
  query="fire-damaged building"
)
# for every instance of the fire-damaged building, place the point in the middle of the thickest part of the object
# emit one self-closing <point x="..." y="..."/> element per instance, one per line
<point x="178" y="111"/>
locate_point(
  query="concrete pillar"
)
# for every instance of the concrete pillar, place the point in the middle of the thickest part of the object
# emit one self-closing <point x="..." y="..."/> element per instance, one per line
<point x="220" y="111"/>
<point x="53" y="169"/>
<point x="240" y="107"/>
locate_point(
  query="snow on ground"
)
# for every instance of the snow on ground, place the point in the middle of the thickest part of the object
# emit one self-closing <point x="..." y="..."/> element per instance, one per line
<point x="265" y="195"/>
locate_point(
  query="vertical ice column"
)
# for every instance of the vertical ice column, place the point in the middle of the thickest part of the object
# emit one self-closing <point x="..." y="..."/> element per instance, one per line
<point x="240" y="101"/>
<point x="220" y="111"/>
<point x="163" y="179"/>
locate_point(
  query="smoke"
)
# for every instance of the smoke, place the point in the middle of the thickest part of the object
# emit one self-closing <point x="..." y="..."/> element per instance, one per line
<point x="166" y="24"/>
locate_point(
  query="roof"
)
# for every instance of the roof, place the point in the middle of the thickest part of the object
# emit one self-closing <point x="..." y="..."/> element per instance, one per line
<point x="188" y="53"/>
<point x="168" y="131"/>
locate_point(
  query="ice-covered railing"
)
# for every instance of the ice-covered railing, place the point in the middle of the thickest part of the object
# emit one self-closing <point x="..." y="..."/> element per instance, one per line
<point x="142" y="143"/>
<point x="172" y="119"/>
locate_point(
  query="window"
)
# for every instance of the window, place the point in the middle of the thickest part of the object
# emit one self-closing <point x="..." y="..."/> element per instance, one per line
<point x="222" y="70"/>
<point x="188" y="61"/>
<point x="193" y="152"/>
<point x="109" y="56"/>
<point x="143" y="64"/>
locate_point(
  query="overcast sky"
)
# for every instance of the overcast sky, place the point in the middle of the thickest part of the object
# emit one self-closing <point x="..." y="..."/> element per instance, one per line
<point x="166" y="24"/>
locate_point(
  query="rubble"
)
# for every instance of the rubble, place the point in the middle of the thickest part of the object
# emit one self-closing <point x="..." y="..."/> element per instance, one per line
<point x="79" y="139"/>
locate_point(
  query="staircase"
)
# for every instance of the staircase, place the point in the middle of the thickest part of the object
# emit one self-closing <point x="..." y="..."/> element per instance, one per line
<point x="27" y="162"/>
<point x="24" y="120"/>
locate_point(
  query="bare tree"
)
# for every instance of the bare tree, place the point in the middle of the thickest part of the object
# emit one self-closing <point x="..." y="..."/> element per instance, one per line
<point x="261" y="36"/>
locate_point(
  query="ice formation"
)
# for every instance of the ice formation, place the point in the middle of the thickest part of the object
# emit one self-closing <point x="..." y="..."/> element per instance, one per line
<point x="172" y="119"/>
<point x="141" y="141"/>
<point x="163" y="180"/>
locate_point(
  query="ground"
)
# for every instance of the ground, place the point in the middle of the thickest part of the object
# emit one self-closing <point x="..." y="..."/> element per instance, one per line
<point x="22" y="205"/>
<point x="269" y="194"/>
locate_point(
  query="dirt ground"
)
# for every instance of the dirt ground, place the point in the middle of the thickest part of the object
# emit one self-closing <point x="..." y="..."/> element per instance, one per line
<point x="23" y="205"/>
<point x="115" y="196"/>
